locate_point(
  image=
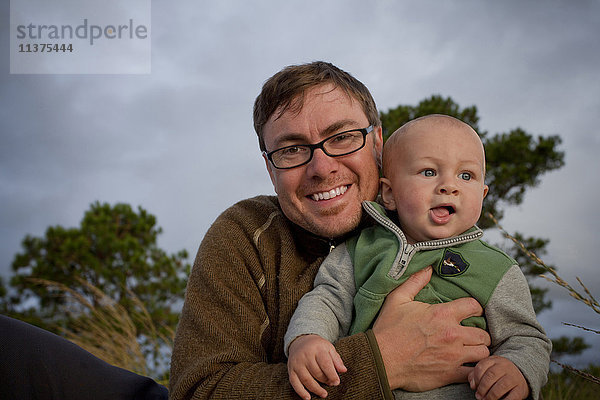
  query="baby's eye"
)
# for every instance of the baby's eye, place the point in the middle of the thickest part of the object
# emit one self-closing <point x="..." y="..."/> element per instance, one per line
<point x="465" y="175"/>
<point x="428" y="173"/>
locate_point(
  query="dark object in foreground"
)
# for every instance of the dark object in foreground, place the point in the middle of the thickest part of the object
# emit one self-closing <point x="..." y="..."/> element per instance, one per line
<point x="36" y="364"/>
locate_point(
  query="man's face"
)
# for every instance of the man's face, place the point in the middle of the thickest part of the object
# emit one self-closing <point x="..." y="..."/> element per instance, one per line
<point x="343" y="182"/>
<point x="436" y="181"/>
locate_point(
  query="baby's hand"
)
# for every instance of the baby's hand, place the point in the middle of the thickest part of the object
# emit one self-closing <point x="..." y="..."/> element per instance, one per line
<point x="495" y="376"/>
<point x="312" y="357"/>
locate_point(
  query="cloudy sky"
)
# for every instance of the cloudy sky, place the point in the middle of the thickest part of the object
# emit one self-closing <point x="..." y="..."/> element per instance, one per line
<point x="179" y="141"/>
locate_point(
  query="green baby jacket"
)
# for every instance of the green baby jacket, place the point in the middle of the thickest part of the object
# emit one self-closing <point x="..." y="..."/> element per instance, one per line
<point x="464" y="266"/>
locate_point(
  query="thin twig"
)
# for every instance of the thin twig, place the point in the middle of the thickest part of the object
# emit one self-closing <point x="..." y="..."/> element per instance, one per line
<point x="590" y="301"/>
<point x="582" y="374"/>
<point x="581" y="327"/>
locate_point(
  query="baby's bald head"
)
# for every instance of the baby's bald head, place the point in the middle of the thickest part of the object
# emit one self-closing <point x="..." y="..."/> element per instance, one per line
<point x="431" y="125"/>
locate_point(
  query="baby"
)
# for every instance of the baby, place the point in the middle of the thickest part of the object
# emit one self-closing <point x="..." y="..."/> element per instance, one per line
<point x="434" y="172"/>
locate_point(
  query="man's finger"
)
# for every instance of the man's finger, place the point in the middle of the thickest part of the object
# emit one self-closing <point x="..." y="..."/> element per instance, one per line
<point x="408" y="290"/>
<point x="475" y="336"/>
<point x="474" y="354"/>
<point x="464" y="308"/>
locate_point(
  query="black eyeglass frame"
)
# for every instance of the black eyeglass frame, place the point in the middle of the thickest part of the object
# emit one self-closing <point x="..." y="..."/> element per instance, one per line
<point x="313" y="147"/>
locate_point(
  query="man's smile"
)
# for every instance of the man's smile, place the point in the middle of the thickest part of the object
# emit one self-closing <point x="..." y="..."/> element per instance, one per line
<point x="330" y="194"/>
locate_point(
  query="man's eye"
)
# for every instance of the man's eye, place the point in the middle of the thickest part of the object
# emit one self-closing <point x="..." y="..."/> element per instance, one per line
<point x="465" y="176"/>
<point x="342" y="138"/>
<point x="292" y="151"/>
<point x="428" y="173"/>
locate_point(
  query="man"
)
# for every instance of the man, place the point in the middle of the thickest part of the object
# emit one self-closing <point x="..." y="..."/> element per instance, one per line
<point x="261" y="255"/>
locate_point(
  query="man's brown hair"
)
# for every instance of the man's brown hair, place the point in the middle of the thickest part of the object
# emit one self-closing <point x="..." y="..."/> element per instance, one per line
<point x="285" y="91"/>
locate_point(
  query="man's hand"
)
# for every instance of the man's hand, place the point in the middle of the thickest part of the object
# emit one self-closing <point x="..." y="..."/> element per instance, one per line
<point x="311" y="359"/>
<point x="495" y="377"/>
<point x="423" y="346"/>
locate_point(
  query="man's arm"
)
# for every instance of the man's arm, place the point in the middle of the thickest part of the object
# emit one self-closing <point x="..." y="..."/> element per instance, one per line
<point x="424" y="346"/>
<point x="229" y="341"/>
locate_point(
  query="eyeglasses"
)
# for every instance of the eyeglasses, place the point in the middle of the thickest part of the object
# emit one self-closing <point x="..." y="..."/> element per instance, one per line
<point x="340" y="144"/>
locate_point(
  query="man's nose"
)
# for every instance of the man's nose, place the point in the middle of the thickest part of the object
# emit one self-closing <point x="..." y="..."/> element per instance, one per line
<point x="321" y="165"/>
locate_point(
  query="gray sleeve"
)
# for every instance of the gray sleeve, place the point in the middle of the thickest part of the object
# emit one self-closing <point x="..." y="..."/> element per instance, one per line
<point x="516" y="333"/>
<point x="327" y="309"/>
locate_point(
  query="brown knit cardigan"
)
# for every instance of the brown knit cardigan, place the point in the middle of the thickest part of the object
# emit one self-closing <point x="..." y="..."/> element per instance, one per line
<point x="252" y="268"/>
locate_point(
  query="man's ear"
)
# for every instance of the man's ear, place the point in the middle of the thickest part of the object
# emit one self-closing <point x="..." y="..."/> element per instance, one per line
<point x="386" y="194"/>
<point x="270" y="171"/>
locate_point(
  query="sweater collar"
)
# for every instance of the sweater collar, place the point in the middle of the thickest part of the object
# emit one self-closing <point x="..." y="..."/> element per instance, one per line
<point x="320" y="246"/>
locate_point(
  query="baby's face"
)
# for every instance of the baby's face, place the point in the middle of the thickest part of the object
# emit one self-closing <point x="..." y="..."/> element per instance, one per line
<point x="435" y="180"/>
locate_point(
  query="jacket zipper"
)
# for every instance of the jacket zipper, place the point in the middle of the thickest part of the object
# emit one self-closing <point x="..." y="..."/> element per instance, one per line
<point x="407" y="250"/>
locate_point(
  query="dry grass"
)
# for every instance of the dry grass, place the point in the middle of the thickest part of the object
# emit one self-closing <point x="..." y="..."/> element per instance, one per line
<point x="586" y="297"/>
<point x="107" y="330"/>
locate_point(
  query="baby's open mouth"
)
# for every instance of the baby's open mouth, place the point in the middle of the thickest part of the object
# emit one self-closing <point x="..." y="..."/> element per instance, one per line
<point x="450" y="209"/>
<point x="443" y="211"/>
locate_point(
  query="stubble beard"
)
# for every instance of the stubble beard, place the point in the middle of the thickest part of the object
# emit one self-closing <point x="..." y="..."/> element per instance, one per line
<point x="338" y="226"/>
<point x="334" y="230"/>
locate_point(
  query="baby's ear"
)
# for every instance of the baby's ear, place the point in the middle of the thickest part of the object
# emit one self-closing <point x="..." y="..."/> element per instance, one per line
<point x="386" y="194"/>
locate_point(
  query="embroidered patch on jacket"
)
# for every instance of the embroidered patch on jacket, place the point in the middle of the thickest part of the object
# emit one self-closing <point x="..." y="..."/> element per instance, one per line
<point x="452" y="264"/>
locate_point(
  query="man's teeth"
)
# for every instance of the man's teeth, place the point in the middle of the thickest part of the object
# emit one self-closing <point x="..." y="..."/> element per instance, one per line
<point x="330" y="194"/>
